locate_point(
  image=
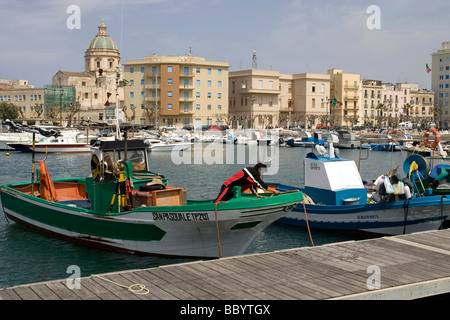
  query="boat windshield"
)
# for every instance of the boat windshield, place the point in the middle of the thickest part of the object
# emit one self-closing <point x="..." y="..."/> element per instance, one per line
<point x="137" y="158"/>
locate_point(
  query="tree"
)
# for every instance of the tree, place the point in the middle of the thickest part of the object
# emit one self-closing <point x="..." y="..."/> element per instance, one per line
<point x="380" y="110"/>
<point x="406" y="108"/>
<point x="8" y="111"/>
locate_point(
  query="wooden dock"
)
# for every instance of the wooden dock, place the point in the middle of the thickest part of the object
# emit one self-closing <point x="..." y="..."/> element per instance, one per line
<point x="403" y="267"/>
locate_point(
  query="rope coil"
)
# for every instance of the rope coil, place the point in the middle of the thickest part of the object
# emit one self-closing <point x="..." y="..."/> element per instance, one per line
<point x="141" y="289"/>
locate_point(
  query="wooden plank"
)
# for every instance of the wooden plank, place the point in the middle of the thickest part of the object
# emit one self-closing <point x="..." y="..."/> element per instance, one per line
<point x="44" y="291"/>
<point x="8" y="294"/>
<point x="26" y="293"/>
<point x="94" y="290"/>
<point x="61" y="290"/>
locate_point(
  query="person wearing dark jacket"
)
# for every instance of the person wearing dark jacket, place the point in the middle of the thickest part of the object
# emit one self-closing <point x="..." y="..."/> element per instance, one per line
<point x="249" y="177"/>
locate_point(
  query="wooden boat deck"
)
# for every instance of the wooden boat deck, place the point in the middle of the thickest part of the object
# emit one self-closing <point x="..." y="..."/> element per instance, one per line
<point x="411" y="267"/>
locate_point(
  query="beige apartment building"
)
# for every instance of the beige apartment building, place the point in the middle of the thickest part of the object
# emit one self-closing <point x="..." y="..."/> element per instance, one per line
<point x="371" y="98"/>
<point x="346" y="89"/>
<point x="266" y="98"/>
<point x="254" y="97"/>
<point x="176" y="91"/>
<point x="311" y="99"/>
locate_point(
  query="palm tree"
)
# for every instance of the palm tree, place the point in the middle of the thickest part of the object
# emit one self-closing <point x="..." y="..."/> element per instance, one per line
<point x="406" y="109"/>
<point x="381" y="107"/>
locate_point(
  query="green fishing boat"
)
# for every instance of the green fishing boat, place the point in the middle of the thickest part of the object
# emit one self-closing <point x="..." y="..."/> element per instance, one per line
<point x="123" y="206"/>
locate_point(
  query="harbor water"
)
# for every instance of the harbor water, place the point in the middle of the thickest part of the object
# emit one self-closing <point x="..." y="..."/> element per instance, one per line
<point x="27" y="256"/>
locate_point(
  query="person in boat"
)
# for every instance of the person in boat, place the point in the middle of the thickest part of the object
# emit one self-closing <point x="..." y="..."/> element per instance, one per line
<point x="249" y="177"/>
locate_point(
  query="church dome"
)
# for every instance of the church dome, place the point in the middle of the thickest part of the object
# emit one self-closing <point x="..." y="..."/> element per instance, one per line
<point x="102" y="40"/>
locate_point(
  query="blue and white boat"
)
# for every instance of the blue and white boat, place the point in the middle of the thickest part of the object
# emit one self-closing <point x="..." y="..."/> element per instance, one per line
<point x="386" y="146"/>
<point x="340" y="201"/>
<point x="306" y="139"/>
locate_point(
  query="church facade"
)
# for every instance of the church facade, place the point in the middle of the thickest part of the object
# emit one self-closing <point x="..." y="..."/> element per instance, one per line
<point x="95" y="87"/>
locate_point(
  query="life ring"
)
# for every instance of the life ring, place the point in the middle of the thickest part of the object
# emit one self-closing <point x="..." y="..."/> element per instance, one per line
<point x="437" y="138"/>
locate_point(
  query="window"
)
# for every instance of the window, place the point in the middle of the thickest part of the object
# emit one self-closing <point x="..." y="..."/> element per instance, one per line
<point x="131" y="95"/>
<point x="169" y="94"/>
<point x="198" y="83"/>
<point x="219" y="107"/>
<point x="313" y="87"/>
<point x="271" y="85"/>
<point x="142" y="69"/>
<point x="260" y="84"/>
<point x="98" y="64"/>
<point x="198" y="70"/>
<point x="132" y="82"/>
<point x="169" y="81"/>
<point x="219" y="71"/>
<point x="95" y="95"/>
<point x="186" y="71"/>
<point x="169" y="69"/>
<point x="209" y="107"/>
<point x="142" y="95"/>
<point x="209" y="94"/>
<point x="322" y="88"/>
<point x="154" y="71"/>
<point x="313" y="105"/>
<point x="131" y="69"/>
<point x="209" y="83"/>
<point x="198" y="95"/>
<point x="197" y="106"/>
<point x="219" y="95"/>
<point x="209" y="70"/>
<point x="86" y="95"/>
<point x="170" y="106"/>
<point x="142" y="82"/>
<point x="219" y="83"/>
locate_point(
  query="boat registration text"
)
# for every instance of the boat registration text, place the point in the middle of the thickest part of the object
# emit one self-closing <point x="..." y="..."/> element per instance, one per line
<point x="180" y="216"/>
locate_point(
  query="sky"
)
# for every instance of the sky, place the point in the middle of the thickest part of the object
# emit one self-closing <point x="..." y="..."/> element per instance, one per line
<point x="393" y="44"/>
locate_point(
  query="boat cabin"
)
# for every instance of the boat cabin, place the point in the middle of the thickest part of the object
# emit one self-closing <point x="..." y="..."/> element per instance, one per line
<point x="333" y="181"/>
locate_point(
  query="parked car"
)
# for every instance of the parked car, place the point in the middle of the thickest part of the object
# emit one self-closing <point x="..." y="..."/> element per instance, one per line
<point x="169" y="127"/>
<point x="214" y="128"/>
<point x="188" y="127"/>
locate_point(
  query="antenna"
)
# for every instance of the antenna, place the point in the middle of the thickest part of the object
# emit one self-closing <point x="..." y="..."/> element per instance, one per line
<point x="254" y="62"/>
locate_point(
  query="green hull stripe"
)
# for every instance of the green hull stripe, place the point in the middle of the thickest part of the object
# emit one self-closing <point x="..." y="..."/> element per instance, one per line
<point x="102" y="227"/>
<point x="247" y="225"/>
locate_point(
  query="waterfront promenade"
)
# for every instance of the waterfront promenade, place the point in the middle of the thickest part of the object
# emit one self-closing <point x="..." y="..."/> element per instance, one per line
<point x="403" y="267"/>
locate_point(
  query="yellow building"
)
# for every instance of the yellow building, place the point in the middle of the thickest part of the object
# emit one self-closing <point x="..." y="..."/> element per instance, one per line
<point x="346" y="89"/>
<point x="28" y="100"/>
<point x="176" y="91"/>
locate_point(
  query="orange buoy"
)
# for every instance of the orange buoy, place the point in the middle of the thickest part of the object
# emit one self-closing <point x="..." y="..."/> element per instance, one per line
<point x="437" y="138"/>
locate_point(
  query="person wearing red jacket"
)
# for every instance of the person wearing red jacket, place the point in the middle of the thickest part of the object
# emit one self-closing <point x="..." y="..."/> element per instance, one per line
<point x="249" y="177"/>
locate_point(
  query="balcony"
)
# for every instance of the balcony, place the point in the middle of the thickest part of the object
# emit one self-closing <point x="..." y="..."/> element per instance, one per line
<point x="152" y="99"/>
<point x="152" y="86"/>
<point x="187" y="87"/>
<point x="187" y="99"/>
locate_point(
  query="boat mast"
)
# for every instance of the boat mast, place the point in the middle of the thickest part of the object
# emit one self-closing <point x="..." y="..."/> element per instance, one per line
<point x="117" y="103"/>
